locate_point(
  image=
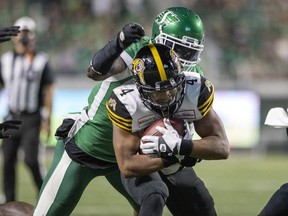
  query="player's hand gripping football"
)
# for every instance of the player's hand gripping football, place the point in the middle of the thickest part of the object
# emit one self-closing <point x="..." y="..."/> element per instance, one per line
<point x="7" y="32"/>
<point x="129" y="34"/>
<point x="11" y="124"/>
<point x="166" y="145"/>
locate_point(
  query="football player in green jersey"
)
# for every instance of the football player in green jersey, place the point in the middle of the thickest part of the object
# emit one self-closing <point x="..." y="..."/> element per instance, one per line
<point x="177" y="27"/>
<point x="88" y="140"/>
<point x="84" y="149"/>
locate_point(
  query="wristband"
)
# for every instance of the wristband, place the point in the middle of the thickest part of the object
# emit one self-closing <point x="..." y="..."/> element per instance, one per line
<point x="169" y="160"/>
<point x="189" y="161"/>
<point x="186" y="147"/>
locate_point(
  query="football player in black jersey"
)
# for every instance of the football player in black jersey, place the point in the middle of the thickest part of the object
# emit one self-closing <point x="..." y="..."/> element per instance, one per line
<point x="163" y="90"/>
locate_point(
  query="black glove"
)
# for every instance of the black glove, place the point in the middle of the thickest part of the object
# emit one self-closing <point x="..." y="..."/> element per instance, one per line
<point x="10" y="124"/>
<point x="7" y="32"/>
<point x="64" y="128"/>
<point x="129" y="34"/>
<point x="169" y="160"/>
<point x="189" y="161"/>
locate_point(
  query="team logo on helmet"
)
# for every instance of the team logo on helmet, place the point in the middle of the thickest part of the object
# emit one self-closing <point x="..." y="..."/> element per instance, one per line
<point x="176" y="59"/>
<point x="166" y="18"/>
<point x="138" y="68"/>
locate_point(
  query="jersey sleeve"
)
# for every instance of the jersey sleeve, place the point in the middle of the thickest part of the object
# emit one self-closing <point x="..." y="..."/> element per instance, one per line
<point x="128" y="54"/>
<point x="205" y="100"/>
<point x="118" y="113"/>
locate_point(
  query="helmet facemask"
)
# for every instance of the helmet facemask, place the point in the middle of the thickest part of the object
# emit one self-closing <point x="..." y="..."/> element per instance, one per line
<point x="166" y="97"/>
<point x="187" y="48"/>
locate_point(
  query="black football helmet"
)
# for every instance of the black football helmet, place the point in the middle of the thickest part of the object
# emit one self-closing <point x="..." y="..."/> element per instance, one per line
<point x="159" y="78"/>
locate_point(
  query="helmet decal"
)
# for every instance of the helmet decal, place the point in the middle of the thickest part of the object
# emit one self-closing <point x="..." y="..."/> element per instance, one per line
<point x="176" y="59"/>
<point x="166" y="18"/>
<point x="158" y="61"/>
<point x="159" y="79"/>
<point x="138" y="68"/>
<point x="180" y="29"/>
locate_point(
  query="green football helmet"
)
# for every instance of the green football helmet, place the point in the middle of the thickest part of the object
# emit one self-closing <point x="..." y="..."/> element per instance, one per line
<point x="182" y="30"/>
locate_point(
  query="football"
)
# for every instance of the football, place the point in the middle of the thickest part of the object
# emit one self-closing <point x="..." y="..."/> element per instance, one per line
<point x="177" y="124"/>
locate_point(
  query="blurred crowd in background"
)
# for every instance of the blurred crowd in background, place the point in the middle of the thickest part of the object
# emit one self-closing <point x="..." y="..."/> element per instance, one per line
<point x="245" y="40"/>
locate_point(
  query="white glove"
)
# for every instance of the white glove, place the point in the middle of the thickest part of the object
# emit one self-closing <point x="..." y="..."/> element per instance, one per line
<point x="189" y="131"/>
<point x="166" y="145"/>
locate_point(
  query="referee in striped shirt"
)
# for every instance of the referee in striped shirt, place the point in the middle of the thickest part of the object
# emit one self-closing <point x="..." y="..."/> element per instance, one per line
<point x="28" y="80"/>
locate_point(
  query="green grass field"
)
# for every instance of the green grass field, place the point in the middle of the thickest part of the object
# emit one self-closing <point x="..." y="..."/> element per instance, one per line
<point x="241" y="186"/>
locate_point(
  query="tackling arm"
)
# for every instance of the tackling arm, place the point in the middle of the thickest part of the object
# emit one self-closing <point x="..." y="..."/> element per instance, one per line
<point x="117" y="67"/>
<point x="103" y="60"/>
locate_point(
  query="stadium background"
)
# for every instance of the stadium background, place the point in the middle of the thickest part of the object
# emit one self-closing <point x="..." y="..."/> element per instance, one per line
<point x="245" y="56"/>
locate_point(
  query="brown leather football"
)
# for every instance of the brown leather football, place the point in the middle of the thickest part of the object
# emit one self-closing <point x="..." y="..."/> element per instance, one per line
<point x="178" y="125"/>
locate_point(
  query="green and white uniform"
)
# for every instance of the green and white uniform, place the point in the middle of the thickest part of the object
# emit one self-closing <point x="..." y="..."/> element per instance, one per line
<point x="92" y="133"/>
<point x="90" y="143"/>
<point x="187" y="193"/>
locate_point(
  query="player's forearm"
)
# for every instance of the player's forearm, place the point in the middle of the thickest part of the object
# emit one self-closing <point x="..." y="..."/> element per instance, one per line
<point x="140" y="165"/>
<point x="103" y="60"/>
<point x="211" y="148"/>
<point x="48" y="102"/>
<point x="117" y="67"/>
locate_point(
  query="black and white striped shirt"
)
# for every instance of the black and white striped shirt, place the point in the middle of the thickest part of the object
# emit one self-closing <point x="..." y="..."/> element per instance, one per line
<point x="24" y="77"/>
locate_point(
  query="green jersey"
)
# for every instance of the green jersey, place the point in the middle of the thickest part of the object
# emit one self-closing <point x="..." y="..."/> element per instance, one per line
<point x="93" y="130"/>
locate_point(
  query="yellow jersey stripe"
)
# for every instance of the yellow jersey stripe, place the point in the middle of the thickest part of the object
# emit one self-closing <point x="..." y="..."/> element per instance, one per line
<point x="158" y="62"/>
<point x="117" y="116"/>
<point x="123" y="123"/>
<point x="120" y="125"/>
<point x="208" y="100"/>
<point x="206" y="109"/>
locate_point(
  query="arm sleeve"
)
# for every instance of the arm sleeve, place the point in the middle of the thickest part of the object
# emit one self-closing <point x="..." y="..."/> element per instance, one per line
<point x="103" y="59"/>
<point x="129" y="53"/>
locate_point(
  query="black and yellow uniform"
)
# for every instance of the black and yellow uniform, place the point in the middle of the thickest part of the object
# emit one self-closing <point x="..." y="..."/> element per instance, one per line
<point x="187" y="192"/>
